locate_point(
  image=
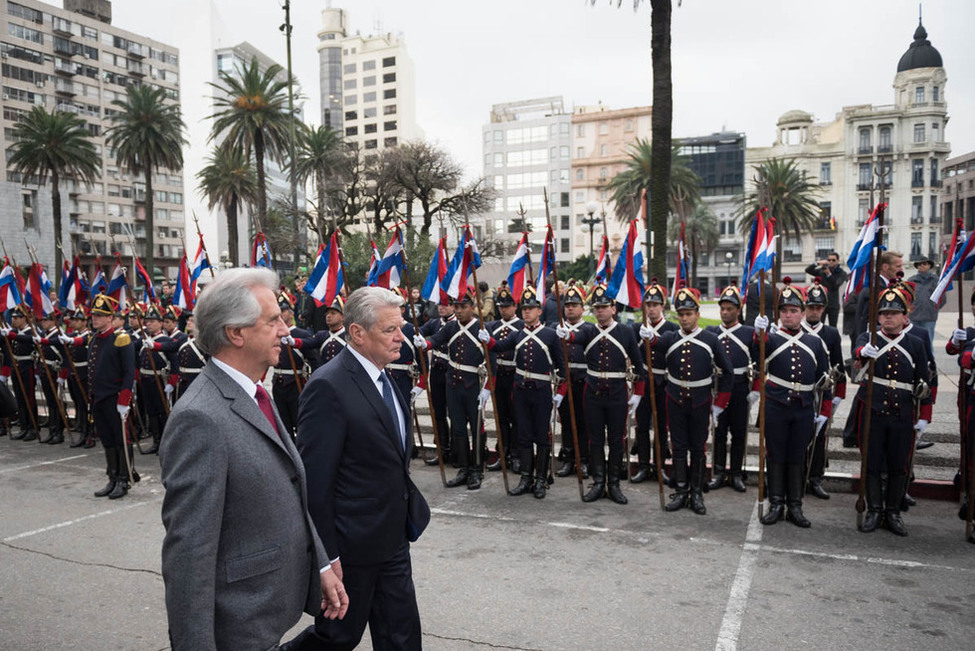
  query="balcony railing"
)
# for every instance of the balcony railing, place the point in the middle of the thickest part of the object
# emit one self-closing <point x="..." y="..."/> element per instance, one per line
<point x="935" y="183"/>
<point x="865" y="150"/>
<point x="136" y="50"/>
<point x="884" y="149"/>
<point x="917" y="183"/>
<point x="864" y="186"/>
<point x="934" y="219"/>
<point x="917" y="221"/>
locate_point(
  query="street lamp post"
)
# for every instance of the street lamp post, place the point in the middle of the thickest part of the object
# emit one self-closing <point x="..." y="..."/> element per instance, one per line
<point x="591" y="222"/>
<point x="729" y="258"/>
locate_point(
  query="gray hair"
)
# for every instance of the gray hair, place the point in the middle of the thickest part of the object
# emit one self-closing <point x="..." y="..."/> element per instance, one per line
<point x="364" y="303"/>
<point x="229" y="302"/>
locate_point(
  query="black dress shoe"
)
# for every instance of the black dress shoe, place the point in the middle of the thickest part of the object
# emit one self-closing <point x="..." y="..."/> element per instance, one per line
<point x="641" y="475"/>
<point x="568" y="468"/>
<point x="718" y="481"/>
<point x="677" y="501"/>
<point x="89" y="443"/>
<point x="109" y="487"/>
<point x="474" y="480"/>
<point x="697" y="503"/>
<point x="31" y="435"/>
<point x="738" y="483"/>
<point x="795" y="516"/>
<point x="494" y="467"/>
<point x="79" y="442"/>
<point x="540" y="487"/>
<point x="870" y="521"/>
<point x="614" y="493"/>
<point x="922" y="444"/>
<point x="894" y="523"/>
<point x="907" y="502"/>
<point x="524" y="485"/>
<point x="120" y="490"/>
<point x="775" y="513"/>
<point x="55" y="438"/>
<point x="19" y="435"/>
<point x="460" y="479"/>
<point x="816" y="489"/>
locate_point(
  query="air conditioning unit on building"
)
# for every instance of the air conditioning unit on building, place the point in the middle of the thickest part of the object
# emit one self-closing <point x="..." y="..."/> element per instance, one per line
<point x="5" y="55"/>
<point x="6" y="96"/>
<point x="39" y="83"/>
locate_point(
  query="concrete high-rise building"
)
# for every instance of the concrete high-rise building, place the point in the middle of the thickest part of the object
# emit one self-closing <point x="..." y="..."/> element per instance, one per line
<point x="73" y="59"/>
<point x="843" y="155"/>
<point x="367" y="85"/>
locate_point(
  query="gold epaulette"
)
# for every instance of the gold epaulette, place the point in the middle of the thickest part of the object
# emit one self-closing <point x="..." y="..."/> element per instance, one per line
<point x="122" y="339"/>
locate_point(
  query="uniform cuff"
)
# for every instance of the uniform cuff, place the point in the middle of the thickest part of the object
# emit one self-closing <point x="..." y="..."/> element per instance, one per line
<point x="722" y="399"/>
<point x="926" y="412"/>
<point x="125" y="397"/>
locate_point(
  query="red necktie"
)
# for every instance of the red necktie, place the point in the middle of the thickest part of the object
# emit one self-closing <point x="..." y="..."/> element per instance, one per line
<point x="264" y="402"/>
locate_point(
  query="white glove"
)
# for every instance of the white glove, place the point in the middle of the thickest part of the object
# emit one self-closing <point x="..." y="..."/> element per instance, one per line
<point x="168" y="389"/>
<point x="563" y="332"/>
<point x="646" y="332"/>
<point x="415" y="393"/>
<point x="37" y="339"/>
<point x="716" y="411"/>
<point x="753" y="397"/>
<point x="819" y="421"/>
<point x="483" y="397"/>
<point x="287" y="340"/>
<point x="420" y="342"/>
<point x="66" y="340"/>
<point x="557" y="400"/>
<point x="773" y="328"/>
<point x="633" y="403"/>
<point x="5" y="330"/>
<point x="3" y="379"/>
<point x="761" y="323"/>
<point x="920" y="426"/>
<point x="123" y="410"/>
<point x="870" y="351"/>
<point x="483" y="335"/>
<point x="959" y="336"/>
<point x="62" y="382"/>
<point x="836" y="402"/>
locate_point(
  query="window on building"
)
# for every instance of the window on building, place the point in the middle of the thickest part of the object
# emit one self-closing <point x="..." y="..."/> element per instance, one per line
<point x="564" y="222"/>
<point x="368" y="65"/>
<point x="919" y="95"/>
<point x="933" y="246"/>
<point x="553" y="155"/>
<point x="389" y="77"/>
<point x="628" y="126"/>
<point x="29" y="201"/>
<point x="917" y="210"/>
<point x="934" y="173"/>
<point x="792" y="250"/>
<point x="580" y="152"/>
<point x="865" y="136"/>
<point x="884" y="145"/>
<point x="564" y="128"/>
<point x="352" y="131"/>
<point x="863" y="211"/>
<point x="917" y="173"/>
<point x="564" y="245"/>
<point x="389" y="93"/>
<point x="371" y="144"/>
<point x="564" y="152"/>
<point x="498" y="159"/>
<point x="580" y="174"/>
<point x="824" y="246"/>
<point x="553" y="176"/>
<point x="915" y="246"/>
<point x="348" y="68"/>
<point x="603" y="128"/>
<point x="389" y="126"/>
<point x="369" y="81"/>
<point x="389" y="62"/>
<point x="918" y="133"/>
<point x="580" y="196"/>
<point x="934" y="132"/>
<point x="865" y="178"/>
<point x="349" y="84"/>
<point x="350" y="100"/>
<point x="825" y="213"/>
<point x="825" y="174"/>
<point x="369" y="112"/>
<point x="580" y="130"/>
<point x="604" y="150"/>
<point x="499" y="136"/>
<point x="369" y="128"/>
<point x="563" y="199"/>
<point x="389" y="109"/>
<point x="603" y="173"/>
<point x="351" y="115"/>
<point x="563" y="176"/>
<point x="389" y="142"/>
<point x="935" y="94"/>
<point x="369" y="97"/>
<point x="934" y="218"/>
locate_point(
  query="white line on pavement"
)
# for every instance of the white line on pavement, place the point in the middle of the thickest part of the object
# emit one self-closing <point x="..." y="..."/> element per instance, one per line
<point x="68" y="523"/>
<point x="560" y="525"/>
<point x="44" y="463"/>
<point x="737" y="600"/>
<point x="892" y="562"/>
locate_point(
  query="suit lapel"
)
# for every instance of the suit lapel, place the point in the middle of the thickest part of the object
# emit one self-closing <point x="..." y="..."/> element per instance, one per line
<point x="371" y="394"/>
<point x="245" y="406"/>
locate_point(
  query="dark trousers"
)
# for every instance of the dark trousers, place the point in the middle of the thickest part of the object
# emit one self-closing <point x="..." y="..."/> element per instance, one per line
<point x="891" y="444"/>
<point x="688" y="425"/>
<point x="833" y="316"/>
<point x="582" y="429"/>
<point x="50" y="389"/>
<point x="151" y="394"/>
<point x="606" y="420"/>
<point x="438" y="394"/>
<point x="533" y="414"/>
<point x="80" y="404"/>
<point x="382" y="596"/>
<point x="462" y="407"/>
<point x="26" y="402"/>
<point x="817" y="461"/>
<point x="108" y="423"/>
<point x="734" y="421"/>
<point x="286" y="398"/>
<point x="644" y="422"/>
<point x="788" y="430"/>
<point x="504" y="384"/>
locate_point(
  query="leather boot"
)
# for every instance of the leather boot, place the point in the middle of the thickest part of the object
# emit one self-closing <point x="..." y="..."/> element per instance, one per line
<point x="871" y="520"/>
<point x="896" y="485"/>
<point x="963" y="509"/>
<point x="29" y="435"/>
<point x="776" y="493"/>
<point x="496" y="466"/>
<point x="111" y="463"/>
<point x="474" y="479"/>
<point x="697" y="486"/>
<point x="463" y="456"/>
<point x="569" y="465"/>
<point x="613" y="484"/>
<point x="816" y="488"/>
<point x="541" y="473"/>
<point x="525" y="483"/>
<point x="585" y="468"/>
<point x="20" y="434"/>
<point x="55" y="437"/>
<point x="718" y="476"/>
<point x="795" y="484"/>
<point x="597" y="468"/>
<point x="678" y="500"/>
<point x="516" y="460"/>
<point x="642" y="474"/>
<point x="156" y="432"/>
<point x="718" y="480"/>
<point x="736" y="469"/>
<point x="121" y="488"/>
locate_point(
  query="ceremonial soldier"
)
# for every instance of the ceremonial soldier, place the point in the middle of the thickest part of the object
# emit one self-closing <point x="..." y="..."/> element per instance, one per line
<point x="52" y="356"/>
<point x="692" y="357"/>
<point x="21" y="338"/>
<point x="738" y="342"/>
<point x="437" y="370"/>
<point x="155" y="359"/>
<point x="170" y="324"/>
<point x="572" y="305"/>
<point x="190" y="360"/>
<point x="404" y="371"/>
<point x="466" y="395"/>
<point x="654" y="300"/>
<point x="795" y="366"/>
<point x="962" y="343"/>
<point x="76" y="341"/>
<point x="111" y="373"/>
<point x="609" y="348"/>
<point x="538" y="357"/>
<point x="330" y="342"/>
<point x="291" y="366"/>
<point x="816" y="303"/>
<point x="900" y="376"/>
<point x="503" y="364"/>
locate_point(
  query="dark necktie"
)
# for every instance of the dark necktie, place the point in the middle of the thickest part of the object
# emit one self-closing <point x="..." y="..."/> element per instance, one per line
<point x="264" y="402"/>
<point x="391" y="405"/>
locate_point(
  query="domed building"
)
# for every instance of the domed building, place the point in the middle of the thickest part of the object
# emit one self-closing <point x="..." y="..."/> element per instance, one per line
<point x="844" y="156"/>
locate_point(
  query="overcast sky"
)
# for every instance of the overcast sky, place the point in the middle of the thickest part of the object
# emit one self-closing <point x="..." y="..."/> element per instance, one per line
<point x="737" y="64"/>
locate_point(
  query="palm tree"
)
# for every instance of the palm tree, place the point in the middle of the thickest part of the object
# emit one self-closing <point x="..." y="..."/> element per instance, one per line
<point x="57" y="145"/>
<point x="228" y="180"/>
<point x="321" y="155"/>
<point x="252" y="116"/>
<point x="700" y="235"/>
<point x="147" y="135"/>
<point x="626" y="187"/>
<point x="790" y="200"/>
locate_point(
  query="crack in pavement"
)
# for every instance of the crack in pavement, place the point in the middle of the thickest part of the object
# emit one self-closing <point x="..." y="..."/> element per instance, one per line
<point x="478" y="643"/>
<point x="77" y="562"/>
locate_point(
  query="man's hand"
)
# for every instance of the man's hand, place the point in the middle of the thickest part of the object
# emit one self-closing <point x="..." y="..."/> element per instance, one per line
<point x="836" y="402"/>
<point x="959" y="336"/>
<point x="761" y="323"/>
<point x="556" y="400"/>
<point x="415" y="393"/>
<point x="66" y="340"/>
<point x="3" y="379"/>
<point x="62" y="381"/>
<point x="335" y="601"/>
<point x="753" y="397"/>
<point x="288" y="340"/>
<point x="483" y="397"/>
<point x="633" y="403"/>
<point x="483" y="335"/>
<point x="920" y="426"/>
<point x="123" y="410"/>
<point x="715" y="412"/>
<point x="646" y="332"/>
<point x="819" y="422"/>
<point x="420" y="342"/>
<point x="870" y="352"/>
<point x="563" y="332"/>
<point x="168" y="389"/>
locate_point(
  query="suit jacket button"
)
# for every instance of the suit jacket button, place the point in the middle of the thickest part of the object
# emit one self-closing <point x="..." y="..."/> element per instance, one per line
<point x="406" y="496"/>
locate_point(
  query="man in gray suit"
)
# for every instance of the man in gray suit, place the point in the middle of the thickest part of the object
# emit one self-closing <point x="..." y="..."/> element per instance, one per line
<point x="241" y="558"/>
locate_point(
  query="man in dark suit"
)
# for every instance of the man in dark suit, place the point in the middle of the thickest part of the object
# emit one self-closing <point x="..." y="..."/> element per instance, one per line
<point x="241" y="559"/>
<point x="831" y="276"/>
<point x="355" y="438"/>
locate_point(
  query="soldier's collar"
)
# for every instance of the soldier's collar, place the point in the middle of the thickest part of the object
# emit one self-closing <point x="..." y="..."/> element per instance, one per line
<point x="811" y="327"/>
<point x="735" y="326"/>
<point x="534" y="327"/>
<point x="790" y="331"/>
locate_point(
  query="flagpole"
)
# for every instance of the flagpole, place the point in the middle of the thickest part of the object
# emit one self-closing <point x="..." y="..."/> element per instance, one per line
<point x="10" y="351"/>
<point x="967" y="474"/>
<point x="152" y="360"/>
<point x="762" y="400"/>
<point x="67" y="353"/>
<point x="203" y="244"/>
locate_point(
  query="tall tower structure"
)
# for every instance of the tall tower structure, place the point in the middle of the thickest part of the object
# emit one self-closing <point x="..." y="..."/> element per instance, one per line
<point x="334" y="26"/>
